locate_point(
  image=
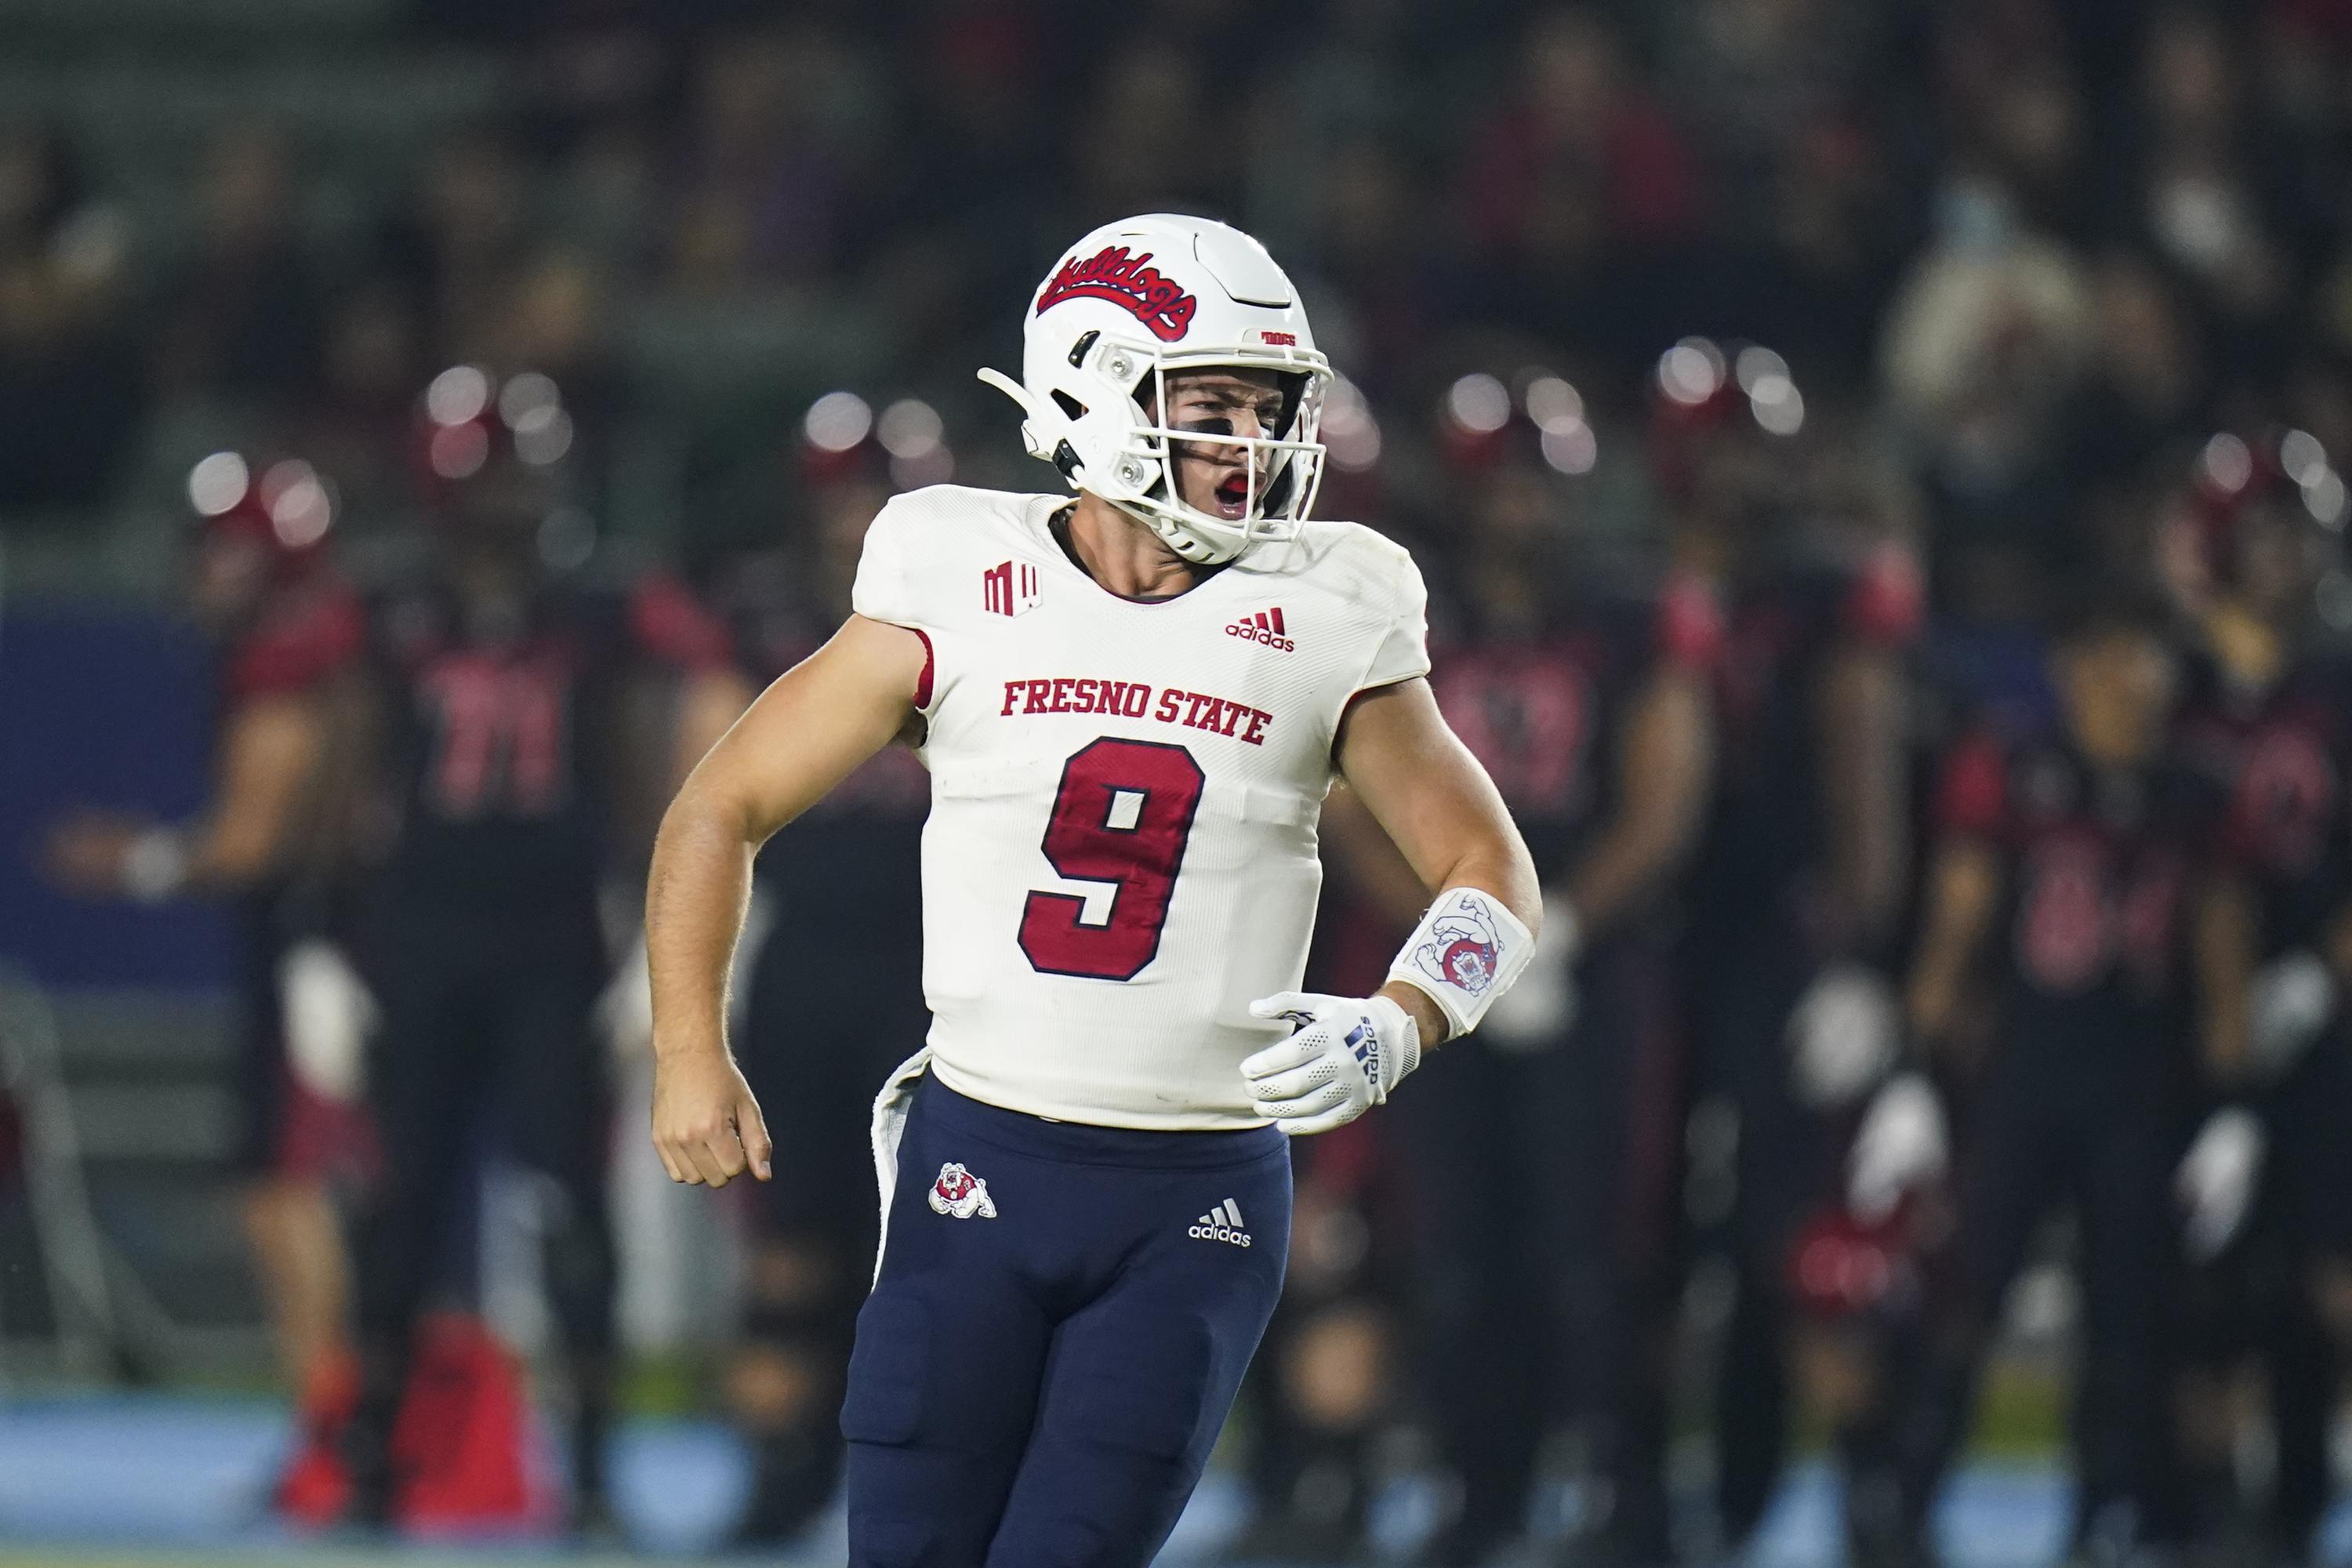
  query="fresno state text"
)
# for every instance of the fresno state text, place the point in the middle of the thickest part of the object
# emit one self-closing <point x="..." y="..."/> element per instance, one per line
<point x="1136" y="700"/>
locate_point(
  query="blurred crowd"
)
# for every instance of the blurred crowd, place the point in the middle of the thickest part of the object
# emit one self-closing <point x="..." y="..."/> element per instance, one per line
<point x="1877" y="467"/>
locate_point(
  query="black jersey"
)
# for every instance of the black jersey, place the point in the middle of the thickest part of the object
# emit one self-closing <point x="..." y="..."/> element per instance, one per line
<point x="1544" y="711"/>
<point x="2102" y="866"/>
<point x="507" y="734"/>
<point x="2279" y="758"/>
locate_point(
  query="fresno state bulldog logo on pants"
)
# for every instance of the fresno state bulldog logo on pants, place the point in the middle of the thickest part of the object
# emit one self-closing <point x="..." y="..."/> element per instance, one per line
<point x="960" y="1194"/>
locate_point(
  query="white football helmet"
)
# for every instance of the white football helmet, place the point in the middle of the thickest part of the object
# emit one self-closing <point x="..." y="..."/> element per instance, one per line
<point x="1128" y="306"/>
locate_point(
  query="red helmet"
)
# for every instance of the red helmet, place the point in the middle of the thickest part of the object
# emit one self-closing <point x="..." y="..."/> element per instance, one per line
<point x="1701" y="394"/>
<point x="843" y="438"/>
<point x="469" y="424"/>
<point x="2234" y="476"/>
<point x="1539" y="415"/>
<point x="285" y="510"/>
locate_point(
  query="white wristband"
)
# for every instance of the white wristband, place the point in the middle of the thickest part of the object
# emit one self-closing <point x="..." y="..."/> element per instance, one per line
<point x="1466" y="952"/>
<point x="154" y="865"/>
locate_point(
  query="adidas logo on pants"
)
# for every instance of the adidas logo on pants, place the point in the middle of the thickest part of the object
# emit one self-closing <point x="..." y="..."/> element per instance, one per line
<point x="1222" y="1223"/>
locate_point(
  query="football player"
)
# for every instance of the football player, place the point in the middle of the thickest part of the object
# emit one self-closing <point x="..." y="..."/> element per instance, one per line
<point x="1133" y="704"/>
<point x="2069" y="864"/>
<point x="518" y="706"/>
<point x="287" y="625"/>
<point x="2263" y="1185"/>
<point x="1797" y="890"/>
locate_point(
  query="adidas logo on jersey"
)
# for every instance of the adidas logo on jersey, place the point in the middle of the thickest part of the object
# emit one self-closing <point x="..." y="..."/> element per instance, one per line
<point x="1265" y="627"/>
<point x="1010" y="588"/>
<point x="1222" y="1223"/>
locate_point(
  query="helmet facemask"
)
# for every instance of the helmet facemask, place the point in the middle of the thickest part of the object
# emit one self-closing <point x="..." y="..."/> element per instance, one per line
<point x="1099" y="406"/>
<point x="1279" y="473"/>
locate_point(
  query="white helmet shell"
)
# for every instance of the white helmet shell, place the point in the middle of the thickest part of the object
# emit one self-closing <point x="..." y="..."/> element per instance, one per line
<point x="1132" y="303"/>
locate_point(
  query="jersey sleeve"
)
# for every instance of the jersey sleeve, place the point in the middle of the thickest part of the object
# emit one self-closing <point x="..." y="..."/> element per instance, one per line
<point x="882" y="591"/>
<point x="1403" y="649"/>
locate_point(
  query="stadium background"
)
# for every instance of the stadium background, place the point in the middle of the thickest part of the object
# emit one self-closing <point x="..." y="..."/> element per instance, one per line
<point x="2008" y="256"/>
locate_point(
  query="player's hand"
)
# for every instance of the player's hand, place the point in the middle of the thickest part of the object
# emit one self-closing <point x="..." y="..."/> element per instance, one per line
<point x="1842" y="1035"/>
<point x="2294" y="996"/>
<point x="1541" y="1006"/>
<point x="1346" y="1055"/>
<point x="2216" y="1181"/>
<point x="707" y="1126"/>
<point x="1902" y="1142"/>
<point x="84" y="853"/>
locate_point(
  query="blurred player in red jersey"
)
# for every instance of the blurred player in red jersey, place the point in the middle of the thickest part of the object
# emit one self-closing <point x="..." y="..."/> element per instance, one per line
<point x="1543" y="1151"/>
<point x="814" y="1224"/>
<point x="274" y="839"/>
<point x="2266" y="1186"/>
<point x="1797" y="890"/>
<point x="521" y="711"/>
<point x="2070" y="867"/>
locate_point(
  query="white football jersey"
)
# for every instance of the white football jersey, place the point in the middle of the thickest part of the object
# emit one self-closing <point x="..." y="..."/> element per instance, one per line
<point x="1120" y="855"/>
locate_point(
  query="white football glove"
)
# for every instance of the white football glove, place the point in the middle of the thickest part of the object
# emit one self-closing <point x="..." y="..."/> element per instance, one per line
<point x="1346" y="1055"/>
<point x="1542" y="1004"/>
<point x="2216" y="1181"/>
<point x="1842" y="1035"/>
<point x="1902" y="1143"/>
<point x="2294" y="996"/>
<point x="329" y="1016"/>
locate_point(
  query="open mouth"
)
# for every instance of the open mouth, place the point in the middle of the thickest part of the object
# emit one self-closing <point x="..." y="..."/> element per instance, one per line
<point x="1233" y="495"/>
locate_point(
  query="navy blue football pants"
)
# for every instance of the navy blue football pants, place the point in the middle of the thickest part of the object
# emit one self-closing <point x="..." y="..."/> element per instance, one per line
<point x="1041" y="1389"/>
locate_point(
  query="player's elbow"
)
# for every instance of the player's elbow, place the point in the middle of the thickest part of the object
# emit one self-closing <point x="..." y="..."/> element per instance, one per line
<point x="712" y="804"/>
<point x="234" y="856"/>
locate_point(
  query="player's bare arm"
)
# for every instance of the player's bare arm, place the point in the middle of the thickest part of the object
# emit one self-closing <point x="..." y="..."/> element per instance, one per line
<point x="2225" y="939"/>
<point x="1437" y="805"/>
<point x="803" y="736"/>
<point x="269" y="763"/>
<point x="1664" y="776"/>
<point x="1901" y="1140"/>
<point x="1963" y="894"/>
<point x="1859" y="716"/>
